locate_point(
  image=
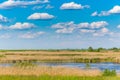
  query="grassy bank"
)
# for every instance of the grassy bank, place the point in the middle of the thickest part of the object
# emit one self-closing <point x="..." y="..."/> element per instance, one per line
<point x="45" y="77"/>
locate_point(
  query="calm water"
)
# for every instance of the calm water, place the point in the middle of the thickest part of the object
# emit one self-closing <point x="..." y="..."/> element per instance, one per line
<point x="101" y="66"/>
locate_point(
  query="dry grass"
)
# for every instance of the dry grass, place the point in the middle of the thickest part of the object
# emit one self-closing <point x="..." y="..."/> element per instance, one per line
<point x="54" y="56"/>
<point x="52" y="71"/>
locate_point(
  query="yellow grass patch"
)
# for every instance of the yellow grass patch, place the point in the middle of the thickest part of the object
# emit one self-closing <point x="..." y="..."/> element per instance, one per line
<point x="52" y="71"/>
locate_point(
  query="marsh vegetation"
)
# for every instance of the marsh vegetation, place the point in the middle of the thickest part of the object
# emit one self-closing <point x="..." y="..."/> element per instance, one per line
<point x="26" y="63"/>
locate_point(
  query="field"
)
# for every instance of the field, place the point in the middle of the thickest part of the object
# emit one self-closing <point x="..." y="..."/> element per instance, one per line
<point x="59" y="56"/>
<point x="24" y="69"/>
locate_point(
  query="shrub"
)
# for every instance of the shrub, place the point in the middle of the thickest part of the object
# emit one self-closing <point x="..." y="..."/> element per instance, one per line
<point x="108" y="72"/>
<point x="90" y="49"/>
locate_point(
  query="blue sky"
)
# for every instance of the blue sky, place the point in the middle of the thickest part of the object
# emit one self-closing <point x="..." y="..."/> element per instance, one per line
<point x="59" y="24"/>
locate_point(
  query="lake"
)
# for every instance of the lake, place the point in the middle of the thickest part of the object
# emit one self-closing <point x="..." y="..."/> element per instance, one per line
<point x="100" y="66"/>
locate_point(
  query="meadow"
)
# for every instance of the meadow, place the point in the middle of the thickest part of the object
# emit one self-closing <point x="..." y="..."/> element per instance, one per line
<point x="23" y="67"/>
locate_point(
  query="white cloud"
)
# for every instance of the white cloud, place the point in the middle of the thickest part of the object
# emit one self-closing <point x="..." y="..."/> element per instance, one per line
<point x="37" y="7"/>
<point x="118" y="26"/>
<point x="46" y="1"/>
<point x="87" y="31"/>
<point x="94" y="13"/>
<point x="83" y="25"/>
<point x="104" y="30"/>
<point x="98" y="24"/>
<point x="103" y="13"/>
<point x="93" y="25"/>
<point x="73" y="5"/>
<point x="18" y="26"/>
<point x="40" y="16"/>
<point x="95" y="28"/>
<point x="114" y="10"/>
<point x="65" y="30"/>
<point x="49" y="6"/>
<point x="67" y="27"/>
<point x="3" y="18"/>
<point x="24" y="25"/>
<point x="63" y="25"/>
<point x="15" y="3"/>
<point x="30" y="35"/>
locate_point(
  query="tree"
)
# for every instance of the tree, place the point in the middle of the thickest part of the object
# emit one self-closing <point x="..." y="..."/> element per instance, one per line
<point x="100" y="49"/>
<point x="115" y="49"/>
<point x="90" y="49"/>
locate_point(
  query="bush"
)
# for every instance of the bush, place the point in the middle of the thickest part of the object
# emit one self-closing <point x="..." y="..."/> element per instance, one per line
<point x="108" y="72"/>
<point x="90" y="49"/>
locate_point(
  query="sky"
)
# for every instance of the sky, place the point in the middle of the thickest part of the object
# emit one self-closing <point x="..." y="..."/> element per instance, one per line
<point x="59" y="24"/>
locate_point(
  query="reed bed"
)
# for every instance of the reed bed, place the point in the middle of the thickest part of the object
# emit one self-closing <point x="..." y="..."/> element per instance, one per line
<point x="51" y="71"/>
<point x="61" y="56"/>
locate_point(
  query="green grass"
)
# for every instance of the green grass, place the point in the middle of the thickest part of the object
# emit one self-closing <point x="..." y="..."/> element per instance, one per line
<point x="2" y="55"/>
<point x="56" y="78"/>
<point x="108" y="72"/>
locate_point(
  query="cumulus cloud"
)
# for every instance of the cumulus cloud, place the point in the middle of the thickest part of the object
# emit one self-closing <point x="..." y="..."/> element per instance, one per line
<point x="95" y="28"/>
<point x="93" y="25"/>
<point x="64" y="25"/>
<point x="102" y="32"/>
<point x="67" y="27"/>
<point x="73" y="5"/>
<point x="98" y="24"/>
<point x="114" y="10"/>
<point x="30" y="35"/>
<point x="87" y="31"/>
<point x="65" y="30"/>
<point x="40" y="16"/>
<point x="16" y="3"/>
<point x="20" y="25"/>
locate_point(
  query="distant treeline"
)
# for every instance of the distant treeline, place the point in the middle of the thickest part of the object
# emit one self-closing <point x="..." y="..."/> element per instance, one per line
<point x="89" y="49"/>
